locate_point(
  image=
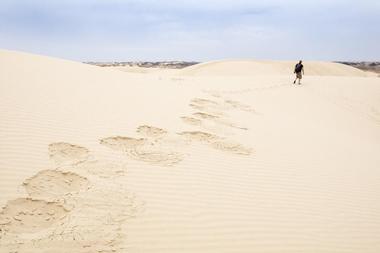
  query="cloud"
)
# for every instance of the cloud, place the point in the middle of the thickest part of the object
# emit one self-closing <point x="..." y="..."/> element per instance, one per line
<point x="193" y="30"/>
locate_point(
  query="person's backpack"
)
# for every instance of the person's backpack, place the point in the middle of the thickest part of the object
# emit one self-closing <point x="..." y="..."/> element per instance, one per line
<point x="298" y="68"/>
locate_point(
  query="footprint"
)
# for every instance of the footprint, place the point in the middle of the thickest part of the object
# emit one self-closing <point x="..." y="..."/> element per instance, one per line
<point x="156" y="157"/>
<point x="197" y="107"/>
<point x="217" y="142"/>
<point x="25" y="215"/>
<point x="207" y="106"/>
<point x="228" y="104"/>
<point x="36" y="223"/>
<point x="199" y="136"/>
<point x="142" y="150"/>
<point x="217" y="120"/>
<point x="231" y="147"/>
<point x="191" y="121"/>
<point x="218" y="108"/>
<point x="240" y="106"/>
<point x="150" y="131"/>
<point x="102" y="169"/>
<point x="205" y="115"/>
<point x="121" y="143"/>
<point x="54" y="184"/>
<point x="63" y="153"/>
<point x="104" y="206"/>
<point x="203" y="102"/>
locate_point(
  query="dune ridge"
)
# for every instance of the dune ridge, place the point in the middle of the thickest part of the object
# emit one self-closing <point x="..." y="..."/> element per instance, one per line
<point x="251" y="67"/>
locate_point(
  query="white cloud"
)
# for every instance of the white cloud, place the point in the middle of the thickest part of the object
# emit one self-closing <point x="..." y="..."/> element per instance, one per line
<point x="192" y="30"/>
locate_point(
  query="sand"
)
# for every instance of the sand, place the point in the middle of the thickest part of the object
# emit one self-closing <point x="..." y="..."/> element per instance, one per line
<point x="225" y="156"/>
<point x="249" y="68"/>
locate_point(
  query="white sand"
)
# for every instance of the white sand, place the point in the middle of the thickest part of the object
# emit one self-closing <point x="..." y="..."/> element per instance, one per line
<point x="249" y="68"/>
<point x="220" y="157"/>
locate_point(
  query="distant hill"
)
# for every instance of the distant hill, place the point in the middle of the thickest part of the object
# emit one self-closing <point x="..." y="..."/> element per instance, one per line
<point x="366" y="66"/>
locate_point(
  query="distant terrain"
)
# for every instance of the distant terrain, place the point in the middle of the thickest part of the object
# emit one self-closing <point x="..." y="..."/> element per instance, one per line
<point x="143" y="64"/>
<point x="366" y="66"/>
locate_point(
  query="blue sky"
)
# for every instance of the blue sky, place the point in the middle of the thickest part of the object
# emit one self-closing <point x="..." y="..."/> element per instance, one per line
<point x="201" y="30"/>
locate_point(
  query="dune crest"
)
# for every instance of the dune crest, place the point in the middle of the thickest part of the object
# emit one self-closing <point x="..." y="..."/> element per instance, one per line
<point x="252" y="68"/>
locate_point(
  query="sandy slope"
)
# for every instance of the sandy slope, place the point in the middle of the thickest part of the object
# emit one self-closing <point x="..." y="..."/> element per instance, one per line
<point x="246" y="67"/>
<point x="142" y="70"/>
<point x="97" y="160"/>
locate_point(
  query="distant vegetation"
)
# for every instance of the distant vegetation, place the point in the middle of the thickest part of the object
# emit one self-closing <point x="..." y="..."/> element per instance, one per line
<point x="366" y="66"/>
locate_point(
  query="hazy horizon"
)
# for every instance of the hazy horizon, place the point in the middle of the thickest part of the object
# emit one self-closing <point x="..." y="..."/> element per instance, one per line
<point x="149" y="30"/>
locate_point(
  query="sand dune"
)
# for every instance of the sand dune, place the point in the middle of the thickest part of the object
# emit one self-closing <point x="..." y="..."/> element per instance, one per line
<point x="245" y="67"/>
<point x="142" y="70"/>
<point x="218" y="157"/>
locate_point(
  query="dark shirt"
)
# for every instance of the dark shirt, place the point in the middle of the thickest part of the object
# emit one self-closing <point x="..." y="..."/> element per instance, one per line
<point x="298" y="68"/>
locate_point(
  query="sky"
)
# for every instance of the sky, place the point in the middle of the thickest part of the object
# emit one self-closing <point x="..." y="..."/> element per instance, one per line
<point x="193" y="30"/>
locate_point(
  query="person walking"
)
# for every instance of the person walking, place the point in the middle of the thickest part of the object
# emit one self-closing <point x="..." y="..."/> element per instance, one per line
<point x="298" y="70"/>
